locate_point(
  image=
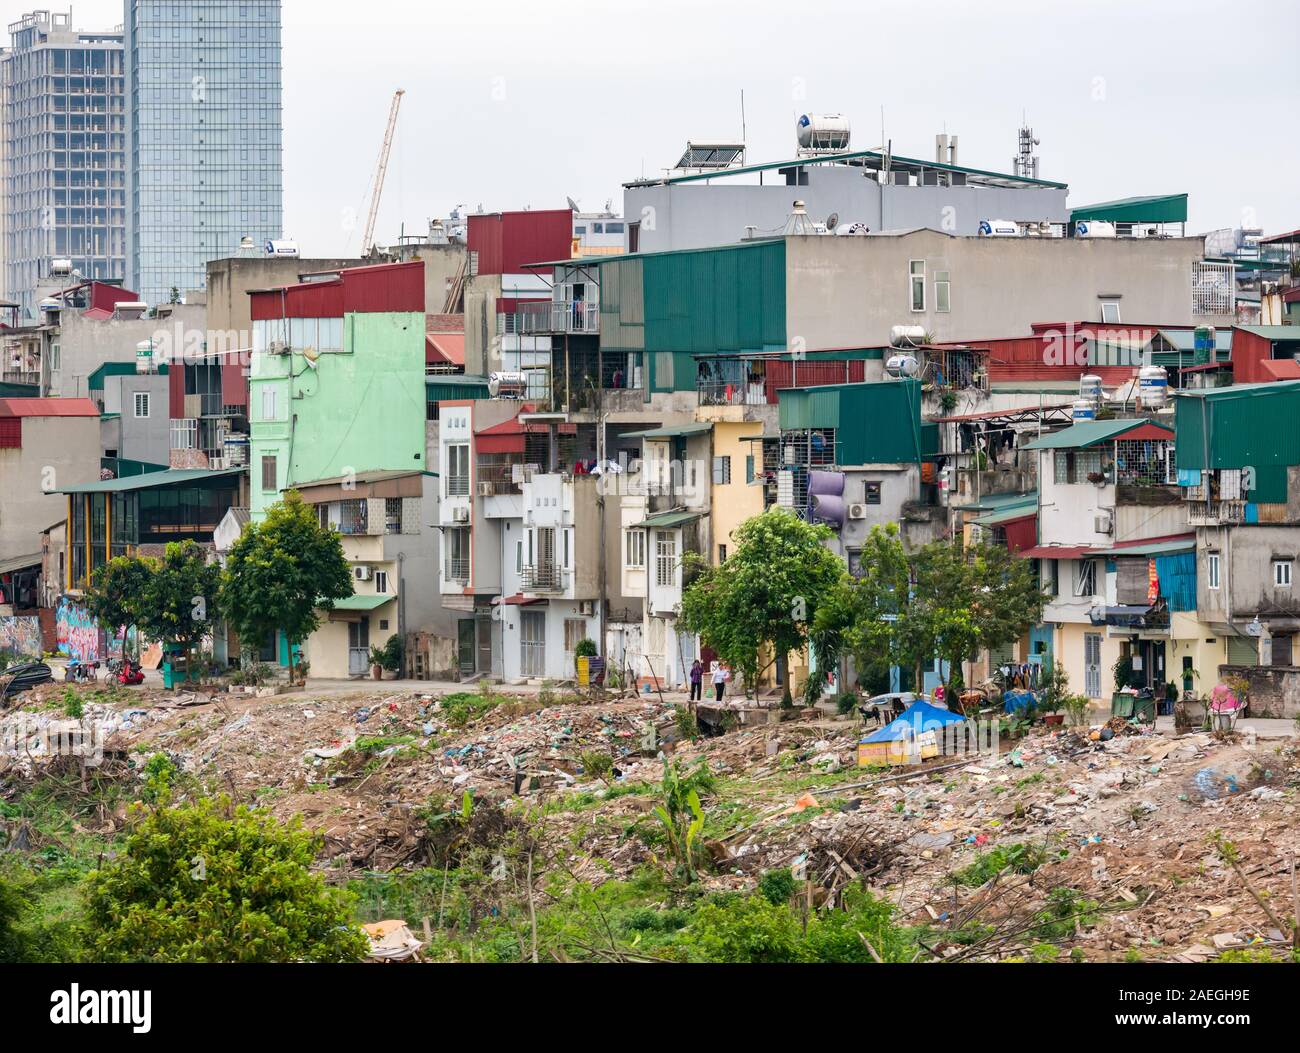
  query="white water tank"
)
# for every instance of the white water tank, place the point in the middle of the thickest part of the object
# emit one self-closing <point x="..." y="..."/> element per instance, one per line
<point x="902" y="365"/>
<point x="144" y="356"/>
<point x="906" y="335"/>
<point x="60" y="266"/>
<point x="822" y="131"/>
<point x="1153" y="387"/>
<point x="1094" y="228"/>
<point x="1083" y="409"/>
<point x="507" y="385"/>
<point x="999" y="228"/>
<point x="1090" y="387"/>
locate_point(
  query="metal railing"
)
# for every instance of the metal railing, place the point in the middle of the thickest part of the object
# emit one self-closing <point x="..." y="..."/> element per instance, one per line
<point x="1212" y="513"/>
<point x="458" y="570"/>
<point x="499" y="477"/>
<point x="563" y="316"/>
<point x="21" y="377"/>
<point x="457" y="485"/>
<point x="543" y="577"/>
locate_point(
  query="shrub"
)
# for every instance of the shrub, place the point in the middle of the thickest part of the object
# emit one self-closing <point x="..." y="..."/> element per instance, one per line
<point x="597" y="764"/>
<point x="207" y="883"/>
<point x="777" y="886"/>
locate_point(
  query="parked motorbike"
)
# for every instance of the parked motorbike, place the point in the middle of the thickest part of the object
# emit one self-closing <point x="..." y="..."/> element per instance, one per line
<point x="128" y="672"/>
<point x="81" y="671"/>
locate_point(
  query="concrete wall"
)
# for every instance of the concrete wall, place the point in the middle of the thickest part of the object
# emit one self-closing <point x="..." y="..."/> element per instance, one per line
<point x="1246" y="589"/>
<point x="734" y="502"/>
<point x="230" y="281"/>
<point x="850" y="291"/>
<point x="359" y="410"/>
<point x="698" y="215"/>
<point x="56" y="452"/>
<point x="140" y="438"/>
<point x="85" y="344"/>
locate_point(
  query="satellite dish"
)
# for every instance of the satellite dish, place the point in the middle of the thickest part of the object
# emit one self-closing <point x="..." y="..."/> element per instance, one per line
<point x="573" y="204"/>
<point x="832" y="221"/>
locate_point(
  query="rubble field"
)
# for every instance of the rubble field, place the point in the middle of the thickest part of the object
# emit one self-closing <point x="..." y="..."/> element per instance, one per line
<point x="1118" y="837"/>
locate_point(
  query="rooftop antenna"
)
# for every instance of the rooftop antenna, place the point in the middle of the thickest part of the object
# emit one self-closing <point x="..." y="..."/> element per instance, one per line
<point x="742" y="115"/>
<point x="1025" y="163"/>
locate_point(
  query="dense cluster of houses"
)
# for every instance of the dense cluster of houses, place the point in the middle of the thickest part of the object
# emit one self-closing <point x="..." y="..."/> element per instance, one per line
<point x="520" y="428"/>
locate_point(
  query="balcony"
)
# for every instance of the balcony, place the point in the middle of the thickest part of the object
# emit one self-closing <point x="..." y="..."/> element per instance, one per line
<point x="15" y="376"/>
<point x="543" y="577"/>
<point x="500" y="475"/>
<point x="563" y="316"/>
<point x="1215" y="513"/>
<point x="458" y="570"/>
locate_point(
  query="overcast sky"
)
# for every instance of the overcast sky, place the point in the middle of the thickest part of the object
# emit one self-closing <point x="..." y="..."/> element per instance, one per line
<point x="511" y="103"/>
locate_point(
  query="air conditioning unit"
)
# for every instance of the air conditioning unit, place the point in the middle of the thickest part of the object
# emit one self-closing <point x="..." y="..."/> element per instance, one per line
<point x="1102" y="524"/>
<point x="587" y="608"/>
<point x="486" y="489"/>
<point x="217" y="464"/>
<point x="277" y="347"/>
<point x="460" y="515"/>
<point x="363" y="572"/>
<point x="857" y="511"/>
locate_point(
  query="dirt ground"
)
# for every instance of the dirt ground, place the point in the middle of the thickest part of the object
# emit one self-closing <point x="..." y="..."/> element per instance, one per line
<point x="1121" y="832"/>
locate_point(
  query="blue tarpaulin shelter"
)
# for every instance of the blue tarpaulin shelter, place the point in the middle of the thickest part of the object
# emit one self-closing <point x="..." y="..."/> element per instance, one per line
<point x="909" y="737"/>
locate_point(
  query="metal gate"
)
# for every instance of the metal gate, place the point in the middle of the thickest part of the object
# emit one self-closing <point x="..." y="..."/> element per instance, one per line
<point x="1092" y="665"/>
<point x="358" y="647"/>
<point x="532" y="645"/>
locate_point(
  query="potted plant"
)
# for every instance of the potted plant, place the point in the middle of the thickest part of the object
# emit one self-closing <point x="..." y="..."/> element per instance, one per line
<point x="376" y="663"/>
<point x="1054" y="690"/>
<point x="1099" y="478"/>
<point x="1076" y="708"/>
<point x="387" y="658"/>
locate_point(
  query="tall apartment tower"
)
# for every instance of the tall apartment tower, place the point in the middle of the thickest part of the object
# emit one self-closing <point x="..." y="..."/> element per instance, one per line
<point x="203" y="136"/>
<point x="62" y="155"/>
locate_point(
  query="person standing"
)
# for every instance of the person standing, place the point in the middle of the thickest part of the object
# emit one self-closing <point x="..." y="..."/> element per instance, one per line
<point x="720" y="677"/>
<point x="697" y="679"/>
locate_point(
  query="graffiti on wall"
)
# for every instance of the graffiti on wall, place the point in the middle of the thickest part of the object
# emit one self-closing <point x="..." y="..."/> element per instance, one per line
<point x="21" y="635"/>
<point x="78" y="634"/>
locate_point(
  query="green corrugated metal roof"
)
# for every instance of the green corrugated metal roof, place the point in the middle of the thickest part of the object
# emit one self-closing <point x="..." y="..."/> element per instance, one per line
<point x="171" y="477"/>
<point x="95" y="382"/>
<point x="877" y="422"/>
<point x="1160" y="208"/>
<point x="1156" y="548"/>
<point x="994" y="502"/>
<point x="362" y="602"/>
<point x="1010" y="511"/>
<point x="1087" y="433"/>
<point x="1273" y="332"/>
<point x="1242" y="426"/>
<point x="673" y="432"/>
<point x="666" y="520"/>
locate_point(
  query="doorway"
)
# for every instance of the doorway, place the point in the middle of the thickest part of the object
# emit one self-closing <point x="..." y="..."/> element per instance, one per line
<point x="465" y="646"/>
<point x="532" y="643"/>
<point x="358" y="647"/>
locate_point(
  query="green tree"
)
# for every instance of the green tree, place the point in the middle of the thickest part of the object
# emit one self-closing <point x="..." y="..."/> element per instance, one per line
<point x="282" y="572"/>
<point x="766" y="595"/>
<point x="173" y="600"/>
<point x="204" y="882"/>
<point x="116" y="597"/>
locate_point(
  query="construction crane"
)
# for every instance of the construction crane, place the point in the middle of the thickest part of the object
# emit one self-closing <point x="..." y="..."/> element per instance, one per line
<point x="381" y="169"/>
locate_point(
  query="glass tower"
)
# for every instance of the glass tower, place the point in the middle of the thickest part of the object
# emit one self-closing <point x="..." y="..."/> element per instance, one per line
<point x="203" y="132"/>
<point x="62" y="123"/>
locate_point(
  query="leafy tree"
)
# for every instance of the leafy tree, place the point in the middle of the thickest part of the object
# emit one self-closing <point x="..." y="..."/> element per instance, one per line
<point x="116" y="597"/>
<point x="281" y="572"/>
<point x="204" y="882"/>
<point x="766" y="595"/>
<point x="174" y="600"/>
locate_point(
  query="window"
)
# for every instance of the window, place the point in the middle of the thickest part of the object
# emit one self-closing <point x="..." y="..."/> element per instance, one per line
<point x="722" y="554"/>
<point x="458" y="470"/>
<point x="665" y="558"/>
<point x="381" y="581"/>
<point x="1085" y="578"/>
<point x="519" y="557"/>
<point x="1110" y="310"/>
<point x="268" y="403"/>
<point x="634" y="546"/>
<point x="871" y="493"/>
<point x="268" y="474"/>
<point x="56" y="358"/>
<point x="1074" y="466"/>
<point x="141" y="404"/>
<point x="916" y="269"/>
<point x="1281" y="573"/>
<point x="721" y="470"/>
<point x="749" y="469"/>
<point x="1212" y="570"/>
<point x="575" y="629"/>
<point x="942" y="292"/>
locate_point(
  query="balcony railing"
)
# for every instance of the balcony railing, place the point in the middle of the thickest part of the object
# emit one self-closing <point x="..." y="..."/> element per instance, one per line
<point x="543" y="577"/>
<point x="12" y="376"/>
<point x="498" y="477"/>
<point x="564" y="316"/>
<point x="458" y="570"/>
<point x="457" y="485"/>
<point x="1213" y="513"/>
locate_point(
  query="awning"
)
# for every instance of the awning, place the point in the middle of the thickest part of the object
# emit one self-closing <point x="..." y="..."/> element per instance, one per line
<point x="668" y="520"/>
<point x="1027" y="510"/>
<point x="1129" y="616"/>
<point x="1053" y="552"/>
<point x="518" y="600"/>
<point x="13" y="563"/>
<point x="445" y="347"/>
<point x="359" y="601"/>
<point x="171" y="477"/>
<point x="675" y="432"/>
<point x="1095" y="432"/>
<point x="1160" y="208"/>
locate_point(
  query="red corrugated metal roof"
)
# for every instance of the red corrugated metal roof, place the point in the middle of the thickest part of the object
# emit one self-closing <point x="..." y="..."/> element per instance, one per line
<point x="507" y="242"/>
<point x="382" y="288"/>
<point x="1075" y="551"/>
<point x="445" y="347"/>
<point x="48" y="407"/>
